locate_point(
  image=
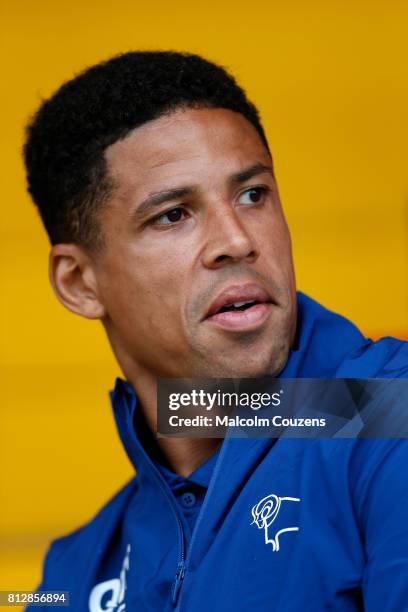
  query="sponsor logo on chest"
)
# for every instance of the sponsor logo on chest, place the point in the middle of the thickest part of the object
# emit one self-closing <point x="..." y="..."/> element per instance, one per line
<point x="109" y="596"/>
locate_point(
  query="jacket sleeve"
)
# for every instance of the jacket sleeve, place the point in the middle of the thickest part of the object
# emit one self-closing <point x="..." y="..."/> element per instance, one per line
<point x="384" y="520"/>
<point x="47" y="563"/>
<point x="51" y="579"/>
<point x="66" y="564"/>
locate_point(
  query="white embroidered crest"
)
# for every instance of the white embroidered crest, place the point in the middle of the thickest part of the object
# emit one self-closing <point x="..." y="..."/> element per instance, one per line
<point x="264" y="514"/>
<point x="115" y="588"/>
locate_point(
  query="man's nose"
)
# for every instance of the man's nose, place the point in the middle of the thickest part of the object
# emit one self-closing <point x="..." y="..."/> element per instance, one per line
<point x="228" y="239"/>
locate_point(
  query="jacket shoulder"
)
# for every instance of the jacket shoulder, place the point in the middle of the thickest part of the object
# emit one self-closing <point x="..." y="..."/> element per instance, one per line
<point x="384" y="358"/>
<point x="71" y="549"/>
<point x="341" y="350"/>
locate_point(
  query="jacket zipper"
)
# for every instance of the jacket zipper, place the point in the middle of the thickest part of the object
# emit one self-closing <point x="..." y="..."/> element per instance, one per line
<point x="178" y="580"/>
<point x="183" y="567"/>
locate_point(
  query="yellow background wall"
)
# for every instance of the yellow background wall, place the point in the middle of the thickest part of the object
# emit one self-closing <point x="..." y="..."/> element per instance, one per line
<point x="330" y="79"/>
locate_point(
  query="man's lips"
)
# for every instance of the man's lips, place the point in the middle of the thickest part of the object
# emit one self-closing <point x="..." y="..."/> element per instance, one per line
<point x="240" y="308"/>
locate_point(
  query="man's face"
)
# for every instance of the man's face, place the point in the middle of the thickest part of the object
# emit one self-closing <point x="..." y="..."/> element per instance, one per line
<point x="194" y="225"/>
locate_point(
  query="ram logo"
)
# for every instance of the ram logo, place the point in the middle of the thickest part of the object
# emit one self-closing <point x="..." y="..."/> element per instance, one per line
<point x="264" y="514"/>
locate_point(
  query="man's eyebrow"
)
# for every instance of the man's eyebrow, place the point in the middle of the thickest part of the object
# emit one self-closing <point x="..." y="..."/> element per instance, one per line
<point x="248" y="173"/>
<point x="160" y="197"/>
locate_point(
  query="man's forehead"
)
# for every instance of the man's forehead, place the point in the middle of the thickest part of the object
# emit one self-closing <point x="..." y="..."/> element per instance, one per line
<point x="184" y="142"/>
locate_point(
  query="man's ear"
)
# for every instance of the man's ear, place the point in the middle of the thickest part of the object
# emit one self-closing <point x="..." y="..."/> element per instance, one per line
<point x="73" y="280"/>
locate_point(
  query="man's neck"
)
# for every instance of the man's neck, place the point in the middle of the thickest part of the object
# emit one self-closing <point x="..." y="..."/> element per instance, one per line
<point x="183" y="455"/>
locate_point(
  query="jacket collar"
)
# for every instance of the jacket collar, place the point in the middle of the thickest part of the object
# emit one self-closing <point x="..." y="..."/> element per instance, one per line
<point x="323" y="340"/>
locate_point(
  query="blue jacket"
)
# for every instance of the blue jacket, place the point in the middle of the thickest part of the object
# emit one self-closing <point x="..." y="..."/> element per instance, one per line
<point x="288" y="526"/>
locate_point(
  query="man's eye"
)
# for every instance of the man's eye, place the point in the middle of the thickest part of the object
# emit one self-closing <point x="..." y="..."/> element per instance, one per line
<point x="169" y="217"/>
<point x="253" y="195"/>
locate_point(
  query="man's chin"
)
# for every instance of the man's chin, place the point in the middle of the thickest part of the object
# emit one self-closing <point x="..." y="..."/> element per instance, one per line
<point x="250" y="367"/>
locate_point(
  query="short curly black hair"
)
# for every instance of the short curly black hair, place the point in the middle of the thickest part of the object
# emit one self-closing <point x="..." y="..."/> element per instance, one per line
<point x="66" y="139"/>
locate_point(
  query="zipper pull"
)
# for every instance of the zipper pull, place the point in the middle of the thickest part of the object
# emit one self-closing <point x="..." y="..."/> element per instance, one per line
<point x="178" y="581"/>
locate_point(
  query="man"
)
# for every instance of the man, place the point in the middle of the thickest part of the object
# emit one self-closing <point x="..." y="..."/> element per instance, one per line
<point x="154" y="180"/>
